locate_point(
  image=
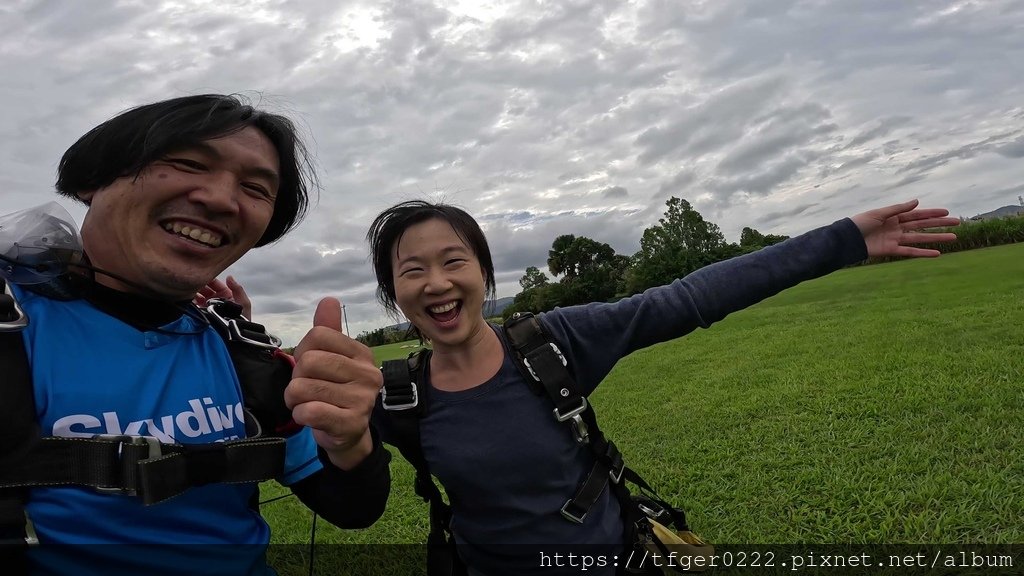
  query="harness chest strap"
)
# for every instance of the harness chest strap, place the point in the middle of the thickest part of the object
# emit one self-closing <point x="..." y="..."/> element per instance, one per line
<point x="142" y="466"/>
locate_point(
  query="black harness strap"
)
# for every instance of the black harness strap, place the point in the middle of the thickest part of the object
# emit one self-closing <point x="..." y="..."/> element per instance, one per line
<point x="401" y="392"/>
<point x="263" y="369"/>
<point x="142" y="466"/>
<point x="404" y="397"/>
<point x="19" y="431"/>
<point x="538" y="354"/>
<point x="541" y="359"/>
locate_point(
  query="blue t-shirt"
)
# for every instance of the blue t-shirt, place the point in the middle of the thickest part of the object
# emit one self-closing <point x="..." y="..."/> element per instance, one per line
<point x="94" y="374"/>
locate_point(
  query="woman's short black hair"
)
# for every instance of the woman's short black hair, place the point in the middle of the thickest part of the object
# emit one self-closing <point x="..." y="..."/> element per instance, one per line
<point x="130" y="141"/>
<point x="389" y="225"/>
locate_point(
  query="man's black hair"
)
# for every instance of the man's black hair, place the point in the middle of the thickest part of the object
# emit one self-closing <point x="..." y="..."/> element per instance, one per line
<point x="389" y="225"/>
<point x="130" y="141"/>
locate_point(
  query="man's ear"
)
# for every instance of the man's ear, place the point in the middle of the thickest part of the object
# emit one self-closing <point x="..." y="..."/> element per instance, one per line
<point x="86" y="196"/>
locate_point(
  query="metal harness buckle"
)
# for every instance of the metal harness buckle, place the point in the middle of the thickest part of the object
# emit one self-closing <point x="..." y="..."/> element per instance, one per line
<point x="570" y="516"/>
<point x="30" y="532"/>
<point x="389" y="406"/>
<point x="616" y="475"/>
<point x="234" y="332"/>
<point x="21" y="319"/>
<point x="155" y="451"/>
<point x="579" y="427"/>
<point x="653" y="511"/>
<point x="574" y="413"/>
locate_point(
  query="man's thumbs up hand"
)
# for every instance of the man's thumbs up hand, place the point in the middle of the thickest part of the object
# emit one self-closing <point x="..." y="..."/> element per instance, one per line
<point x="334" y="387"/>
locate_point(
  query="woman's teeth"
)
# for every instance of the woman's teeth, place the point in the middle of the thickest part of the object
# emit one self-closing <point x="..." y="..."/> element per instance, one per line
<point x="443" y="308"/>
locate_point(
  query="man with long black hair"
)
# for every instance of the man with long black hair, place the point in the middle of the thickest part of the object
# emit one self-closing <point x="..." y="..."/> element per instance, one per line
<point x="178" y="191"/>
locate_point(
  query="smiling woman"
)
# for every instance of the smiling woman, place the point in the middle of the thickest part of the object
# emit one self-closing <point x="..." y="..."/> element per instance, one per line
<point x="512" y="472"/>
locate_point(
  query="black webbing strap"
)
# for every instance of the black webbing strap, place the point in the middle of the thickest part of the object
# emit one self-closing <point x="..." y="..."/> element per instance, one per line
<point x="540" y="358"/>
<point x="404" y="398"/>
<point x="608" y="467"/>
<point x="546" y="364"/>
<point x="142" y="466"/>
<point x="19" y="431"/>
<point x="404" y="385"/>
<point x="400" y="393"/>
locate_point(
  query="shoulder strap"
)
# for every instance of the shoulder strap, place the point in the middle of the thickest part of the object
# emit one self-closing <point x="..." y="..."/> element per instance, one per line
<point x="263" y="369"/>
<point x="403" y="391"/>
<point x="19" y="432"/>
<point x="542" y="360"/>
<point x="404" y="398"/>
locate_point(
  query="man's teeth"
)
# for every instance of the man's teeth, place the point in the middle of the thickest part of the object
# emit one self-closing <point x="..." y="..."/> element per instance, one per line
<point x="194" y="232"/>
<point x="443" y="308"/>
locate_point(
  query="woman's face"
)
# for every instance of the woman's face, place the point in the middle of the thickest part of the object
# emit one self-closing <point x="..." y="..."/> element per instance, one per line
<point x="439" y="284"/>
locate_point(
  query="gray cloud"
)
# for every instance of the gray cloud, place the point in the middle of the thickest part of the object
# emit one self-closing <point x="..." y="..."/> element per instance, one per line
<point x="773" y="217"/>
<point x="1014" y="149"/>
<point x="964" y="152"/>
<point x="679" y="182"/>
<point x="614" y="192"/>
<point x="843" y="163"/>
<point x="882" y="129"/>
<point x="784" y="130"/>
<point x="539" y="117"/>
<point x="906" y="181"/>
<point x="718" y="119"/>
<point x="762" y="181"/>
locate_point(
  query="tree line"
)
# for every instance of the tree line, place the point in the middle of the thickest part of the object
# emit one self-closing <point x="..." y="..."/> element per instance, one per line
<point x="681" y="242"/>
<point x="590" y="271"/>
<point x="386" y="335"/>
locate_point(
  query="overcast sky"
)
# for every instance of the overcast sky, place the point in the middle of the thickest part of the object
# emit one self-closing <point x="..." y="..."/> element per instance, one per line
<point x="544" y="117"/>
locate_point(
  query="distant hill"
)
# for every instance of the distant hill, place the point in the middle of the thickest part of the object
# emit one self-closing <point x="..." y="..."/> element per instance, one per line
<point x="499" y="306"/>
<point x="1003" y="212"/>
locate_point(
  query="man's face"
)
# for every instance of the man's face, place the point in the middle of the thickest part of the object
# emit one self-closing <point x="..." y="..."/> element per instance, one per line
<point x="186" y="218"/>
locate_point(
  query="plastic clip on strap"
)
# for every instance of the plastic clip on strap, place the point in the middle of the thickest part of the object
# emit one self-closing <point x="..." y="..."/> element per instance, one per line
<point x="16" y="530"/>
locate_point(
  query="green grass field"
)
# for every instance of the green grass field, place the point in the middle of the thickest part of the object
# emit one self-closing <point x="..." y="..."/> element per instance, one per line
<point x="879" y="404"/>
<point x="395" y="351"/>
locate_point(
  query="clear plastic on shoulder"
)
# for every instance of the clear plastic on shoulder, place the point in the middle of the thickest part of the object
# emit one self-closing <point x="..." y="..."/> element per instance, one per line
<point x="38" y="245"/>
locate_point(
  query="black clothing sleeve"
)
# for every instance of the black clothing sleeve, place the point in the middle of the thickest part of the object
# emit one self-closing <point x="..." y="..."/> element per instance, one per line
<point x="353" y="498"/>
